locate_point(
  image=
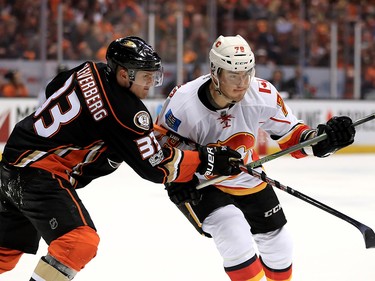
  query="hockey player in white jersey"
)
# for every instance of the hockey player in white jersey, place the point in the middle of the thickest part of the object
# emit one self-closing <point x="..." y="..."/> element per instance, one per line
<point x="241" y="213"/>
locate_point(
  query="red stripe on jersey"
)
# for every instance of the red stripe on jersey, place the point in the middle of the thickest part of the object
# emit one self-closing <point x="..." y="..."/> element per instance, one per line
<point x="279" y="120"/>
<point x="294" y="138"/>
<point x="267" y="91"/>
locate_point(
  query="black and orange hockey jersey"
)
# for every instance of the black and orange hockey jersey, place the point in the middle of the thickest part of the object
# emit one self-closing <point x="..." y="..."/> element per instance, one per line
<point x="88" y="126"/>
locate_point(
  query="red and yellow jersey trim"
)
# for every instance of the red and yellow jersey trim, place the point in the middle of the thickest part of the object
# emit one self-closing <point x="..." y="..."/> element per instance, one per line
<point x="293" y="138"/>
<point x="240" y="191"/>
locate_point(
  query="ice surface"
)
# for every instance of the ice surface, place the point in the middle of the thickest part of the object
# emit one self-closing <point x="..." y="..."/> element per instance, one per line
<point x="144" y="237"/>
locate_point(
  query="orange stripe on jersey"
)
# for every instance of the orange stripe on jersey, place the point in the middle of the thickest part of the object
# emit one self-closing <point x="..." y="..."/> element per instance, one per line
<point x="188" y="165"/>
<point x="30" y="155"/>
<point x="109" y="104"/>
<point x="61" y="166"/>
<point x="62" y="161"/>
<point x="293" y="138"/>
<point x="52" y="163"/>
<point x="74" y="200"/>
<point x="240" y="191"/>
<point x="252" y="271"/>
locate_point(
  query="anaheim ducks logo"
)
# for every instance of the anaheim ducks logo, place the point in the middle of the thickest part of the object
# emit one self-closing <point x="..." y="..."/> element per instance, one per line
<point x="142" y="120"/>
<point x="129" y="44"/>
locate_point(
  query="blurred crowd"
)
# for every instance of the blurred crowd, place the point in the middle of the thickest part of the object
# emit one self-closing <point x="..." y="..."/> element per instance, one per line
<point x="274" y="29"/>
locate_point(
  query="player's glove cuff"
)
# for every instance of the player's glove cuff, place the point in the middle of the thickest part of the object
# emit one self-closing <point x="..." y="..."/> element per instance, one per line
<point x="218" y="160"/>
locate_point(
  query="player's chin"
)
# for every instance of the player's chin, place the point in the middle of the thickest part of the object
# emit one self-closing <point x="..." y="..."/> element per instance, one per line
<point x="144" y="92"/>
<point x="238" y="95"/>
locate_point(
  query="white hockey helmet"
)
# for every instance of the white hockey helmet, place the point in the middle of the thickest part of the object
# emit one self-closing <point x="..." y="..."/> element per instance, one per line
<point x="231" y="53"/>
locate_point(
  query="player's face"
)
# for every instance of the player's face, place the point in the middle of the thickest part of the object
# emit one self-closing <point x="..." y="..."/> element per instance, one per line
<point x="139" y="90"/>
<point x="234" y="84"/>
<point x="144" y="80"/>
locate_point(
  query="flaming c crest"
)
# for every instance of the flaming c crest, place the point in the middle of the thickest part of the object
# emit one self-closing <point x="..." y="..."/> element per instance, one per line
<point x="240" y="141"/>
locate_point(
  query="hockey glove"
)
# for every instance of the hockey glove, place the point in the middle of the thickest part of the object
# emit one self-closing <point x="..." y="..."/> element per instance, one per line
<point x="340" y="133"/>
<point x="218" y="160"/>
<point x="181" y="192"/>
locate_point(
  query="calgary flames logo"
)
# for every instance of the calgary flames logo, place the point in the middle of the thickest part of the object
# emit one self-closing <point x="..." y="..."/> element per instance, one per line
<point x="244" y="143"/>
<point x="239" y="141"/>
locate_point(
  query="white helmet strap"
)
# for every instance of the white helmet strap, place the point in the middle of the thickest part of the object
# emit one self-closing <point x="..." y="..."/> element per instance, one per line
<point x="218" y="90"/>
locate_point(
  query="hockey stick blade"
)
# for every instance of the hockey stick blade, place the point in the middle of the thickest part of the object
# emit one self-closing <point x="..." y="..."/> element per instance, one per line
<point x="369" y="236"/>
<point x="367" y="232"/>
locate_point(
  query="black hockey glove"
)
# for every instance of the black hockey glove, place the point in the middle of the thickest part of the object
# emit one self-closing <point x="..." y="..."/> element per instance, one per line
<point x="340" y="133"/>
<point x="218" y="160"/>
<point x="181" y="192"/>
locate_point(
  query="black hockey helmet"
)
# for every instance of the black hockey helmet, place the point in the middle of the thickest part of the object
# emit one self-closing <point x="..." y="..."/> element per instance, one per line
<point x="132" y="52"/>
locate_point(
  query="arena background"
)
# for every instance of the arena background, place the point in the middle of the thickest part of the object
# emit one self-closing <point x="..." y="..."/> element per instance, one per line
<point x="331" y="42"/>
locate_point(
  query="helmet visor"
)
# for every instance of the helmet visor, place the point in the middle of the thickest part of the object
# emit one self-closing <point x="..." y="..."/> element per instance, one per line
<point x="238" y="77"/>
<point x="148" y="78"/>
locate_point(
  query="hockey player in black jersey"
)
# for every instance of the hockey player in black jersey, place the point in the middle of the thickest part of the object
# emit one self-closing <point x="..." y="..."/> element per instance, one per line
<point x="92" y="120"/>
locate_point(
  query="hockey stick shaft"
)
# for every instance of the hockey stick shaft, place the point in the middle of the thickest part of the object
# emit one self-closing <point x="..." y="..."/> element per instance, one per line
<point x="367" y="233"/>
<point x="283" y="152"/>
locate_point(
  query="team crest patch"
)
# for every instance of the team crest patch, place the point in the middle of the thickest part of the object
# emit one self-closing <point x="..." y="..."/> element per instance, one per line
<point x="142" y="120"/>
<point x="172" y="121"/>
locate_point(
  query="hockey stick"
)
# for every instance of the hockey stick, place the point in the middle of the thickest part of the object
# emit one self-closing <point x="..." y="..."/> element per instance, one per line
<point x="283" y="152"/>
<point x="367" y="232"/>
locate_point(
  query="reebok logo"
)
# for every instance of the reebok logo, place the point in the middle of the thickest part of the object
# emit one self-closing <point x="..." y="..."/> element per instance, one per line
<point x="4" y="125"/>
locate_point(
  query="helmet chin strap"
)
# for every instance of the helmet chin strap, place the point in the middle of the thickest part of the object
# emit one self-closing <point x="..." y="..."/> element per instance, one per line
<point x="217" y="89"/>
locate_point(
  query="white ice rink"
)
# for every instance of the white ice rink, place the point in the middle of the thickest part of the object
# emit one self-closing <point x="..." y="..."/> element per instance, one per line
<point x="144" y="237"/>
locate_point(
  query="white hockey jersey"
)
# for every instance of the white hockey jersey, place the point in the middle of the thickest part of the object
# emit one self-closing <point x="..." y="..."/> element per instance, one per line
<point x="186" y="113"/>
